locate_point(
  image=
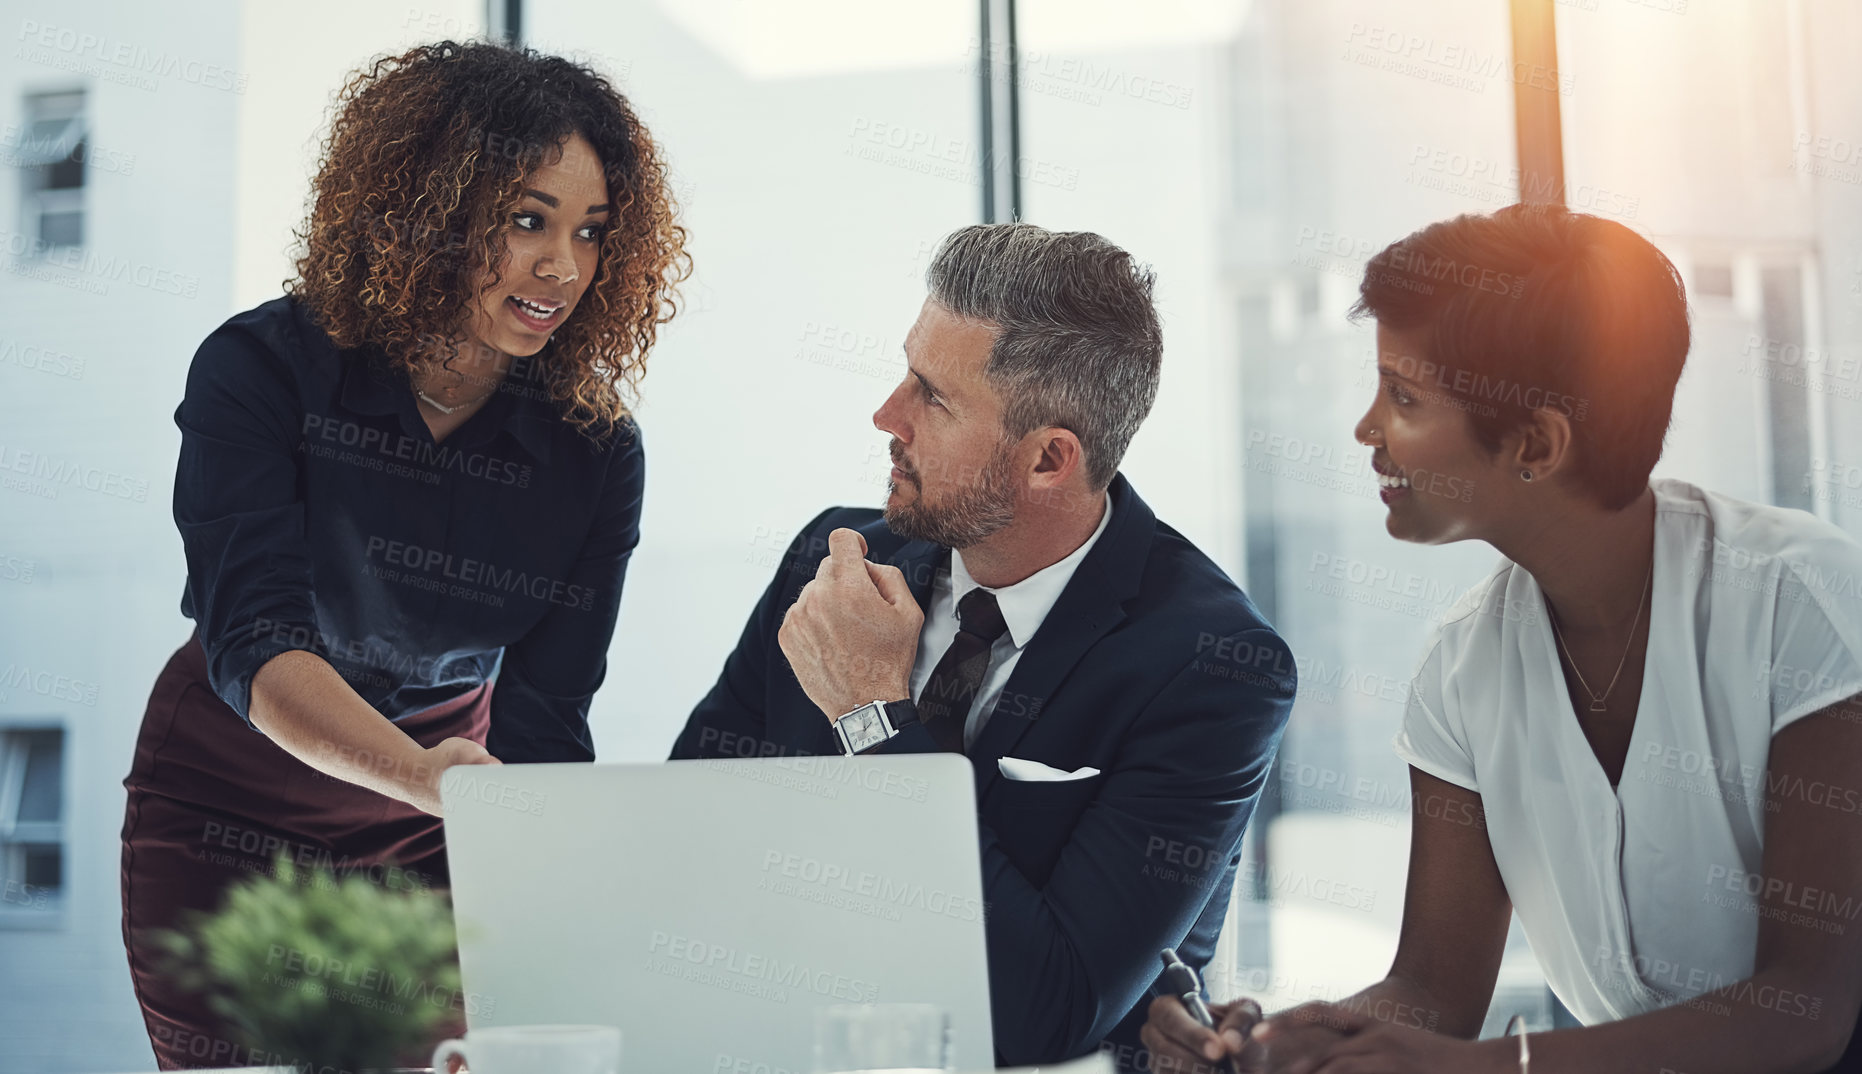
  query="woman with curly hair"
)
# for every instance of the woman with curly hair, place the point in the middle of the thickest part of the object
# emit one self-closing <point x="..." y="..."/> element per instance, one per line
<point x="414" y="471"/>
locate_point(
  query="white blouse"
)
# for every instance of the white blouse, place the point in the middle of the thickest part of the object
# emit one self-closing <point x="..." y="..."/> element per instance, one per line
<point x="1646" y="894"/>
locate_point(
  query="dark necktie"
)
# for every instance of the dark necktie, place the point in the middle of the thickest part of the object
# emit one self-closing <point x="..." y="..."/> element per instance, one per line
<point x="944" y="704"/>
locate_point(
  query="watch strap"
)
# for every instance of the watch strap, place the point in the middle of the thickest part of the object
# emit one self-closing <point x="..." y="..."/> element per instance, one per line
<point x="894" y="716"/>
<point x="900" y="714"/>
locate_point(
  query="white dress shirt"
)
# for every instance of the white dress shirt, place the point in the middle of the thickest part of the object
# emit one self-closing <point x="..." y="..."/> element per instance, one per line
<point x="1023" y="605"/>
<point x="1644" y="894"/>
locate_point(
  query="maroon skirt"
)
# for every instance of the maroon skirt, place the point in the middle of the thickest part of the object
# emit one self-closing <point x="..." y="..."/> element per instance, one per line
<point x="212" y="801"/>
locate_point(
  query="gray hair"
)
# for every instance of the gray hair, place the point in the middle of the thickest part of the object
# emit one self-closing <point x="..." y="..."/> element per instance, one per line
<point x="1077" y="343"/>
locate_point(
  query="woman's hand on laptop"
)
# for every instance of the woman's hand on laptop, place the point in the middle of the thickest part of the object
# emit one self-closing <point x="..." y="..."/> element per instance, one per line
<point x="423" y="788"/>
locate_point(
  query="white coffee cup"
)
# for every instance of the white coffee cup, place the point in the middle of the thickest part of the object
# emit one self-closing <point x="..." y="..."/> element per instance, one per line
<point x="540" y="1049"/>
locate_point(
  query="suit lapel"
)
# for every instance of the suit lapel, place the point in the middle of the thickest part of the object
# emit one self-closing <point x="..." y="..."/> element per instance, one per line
<point x="1090" y="605"/>
<point x="919" y="562"/>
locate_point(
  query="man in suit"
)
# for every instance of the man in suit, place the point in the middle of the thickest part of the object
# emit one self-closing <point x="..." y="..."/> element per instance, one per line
<point x="1018" y="602"/>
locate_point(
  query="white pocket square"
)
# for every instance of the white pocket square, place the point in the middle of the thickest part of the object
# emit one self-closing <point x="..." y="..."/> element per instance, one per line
<point x="1016" y="768"/>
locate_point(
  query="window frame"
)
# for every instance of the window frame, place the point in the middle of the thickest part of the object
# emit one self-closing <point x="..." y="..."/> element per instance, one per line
<point x="38" y="108"/>
<point x="24" y="909"/>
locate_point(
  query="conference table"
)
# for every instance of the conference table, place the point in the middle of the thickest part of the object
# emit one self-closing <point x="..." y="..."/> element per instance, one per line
<point x="1092" y="1064"/>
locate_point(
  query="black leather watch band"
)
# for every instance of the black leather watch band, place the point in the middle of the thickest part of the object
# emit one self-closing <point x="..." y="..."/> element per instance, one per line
<point x="869" y="726"/>
<point x="901" y="714"/>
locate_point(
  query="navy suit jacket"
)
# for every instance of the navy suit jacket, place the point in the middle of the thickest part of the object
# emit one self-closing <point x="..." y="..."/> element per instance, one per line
<point x="1152" y="667"/>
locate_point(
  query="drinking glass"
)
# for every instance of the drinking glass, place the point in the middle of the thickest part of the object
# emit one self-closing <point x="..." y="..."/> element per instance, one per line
<point x="899" y="1038"/>
<point x="535" y="1049"/>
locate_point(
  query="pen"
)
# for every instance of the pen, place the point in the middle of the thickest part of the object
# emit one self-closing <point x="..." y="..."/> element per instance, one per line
<point x="1179" y="979"/>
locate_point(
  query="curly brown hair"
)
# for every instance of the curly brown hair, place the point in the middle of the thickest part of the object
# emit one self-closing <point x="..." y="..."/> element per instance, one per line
<point x="421" y="173"/>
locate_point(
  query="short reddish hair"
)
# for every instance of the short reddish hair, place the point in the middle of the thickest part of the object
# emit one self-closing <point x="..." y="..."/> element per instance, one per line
<point x="1535" y="306"/>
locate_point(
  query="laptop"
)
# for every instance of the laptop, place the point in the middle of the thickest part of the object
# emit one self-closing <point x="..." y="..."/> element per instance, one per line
<point x="709" y="908"/>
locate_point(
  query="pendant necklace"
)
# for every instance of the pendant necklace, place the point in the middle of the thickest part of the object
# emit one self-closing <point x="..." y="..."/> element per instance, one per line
<point x="443" y="408"/>
<point x="1597" y="699"/>
<point x="437" y="405"/>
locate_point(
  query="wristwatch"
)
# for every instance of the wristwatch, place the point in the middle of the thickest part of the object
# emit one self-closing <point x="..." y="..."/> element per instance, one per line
<point x="873" y="723"/>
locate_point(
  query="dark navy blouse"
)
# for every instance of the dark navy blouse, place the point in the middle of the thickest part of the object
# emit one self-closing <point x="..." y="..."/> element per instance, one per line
<point x="319" y="514"/>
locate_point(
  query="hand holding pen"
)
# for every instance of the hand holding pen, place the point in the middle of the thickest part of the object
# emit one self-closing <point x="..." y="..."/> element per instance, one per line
<point x="1185" y="1034"/>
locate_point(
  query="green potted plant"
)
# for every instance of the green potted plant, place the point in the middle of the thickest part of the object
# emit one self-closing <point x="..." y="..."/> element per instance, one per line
<point x="312" y="969"/>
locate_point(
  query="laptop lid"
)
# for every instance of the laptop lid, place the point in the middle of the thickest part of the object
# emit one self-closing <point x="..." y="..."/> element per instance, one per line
<point x="707" y="908"/>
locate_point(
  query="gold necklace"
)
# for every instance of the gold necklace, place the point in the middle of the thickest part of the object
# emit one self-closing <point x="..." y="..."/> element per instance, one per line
<point x="1596" y="699"/>
<point x="442" y="407"/>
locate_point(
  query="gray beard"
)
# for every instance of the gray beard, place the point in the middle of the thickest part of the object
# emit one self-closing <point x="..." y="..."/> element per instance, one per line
<point x="973" y="513"/>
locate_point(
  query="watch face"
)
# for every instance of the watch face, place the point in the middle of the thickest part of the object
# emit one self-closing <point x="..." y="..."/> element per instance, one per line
<point x="863" y="727"/>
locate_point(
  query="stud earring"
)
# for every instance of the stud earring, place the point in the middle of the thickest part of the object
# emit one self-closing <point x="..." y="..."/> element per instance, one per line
<point x="1525" y="475"/>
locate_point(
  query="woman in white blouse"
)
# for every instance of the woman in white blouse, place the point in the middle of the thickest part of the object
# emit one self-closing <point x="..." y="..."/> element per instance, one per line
<point x="1642" y="731"/>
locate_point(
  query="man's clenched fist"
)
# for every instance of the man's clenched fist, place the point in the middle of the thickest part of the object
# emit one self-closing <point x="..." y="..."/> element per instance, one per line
<point x="852" y="635"/>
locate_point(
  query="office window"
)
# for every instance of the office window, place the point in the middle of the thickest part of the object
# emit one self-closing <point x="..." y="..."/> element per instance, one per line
<point x="48" y="148"/>
<point x="1787" y="392"/>
<point x="1766" y="376"/>
<point x="1257" y="154"/>
<point x="1713" y="280"/>
<point x="857" y="122"/>
<point x="32" y="830"/>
